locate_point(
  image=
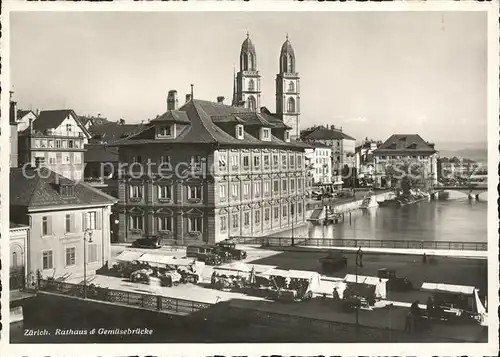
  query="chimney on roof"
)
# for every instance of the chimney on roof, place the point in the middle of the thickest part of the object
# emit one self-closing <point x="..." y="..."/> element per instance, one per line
<point x="172" y="101"/>
<point x="37" y="112"/>
<point x="31" y="126"/>
<point x="121" y="122"/>
<point x="188" y="98"/>
<point x="340" y="129"/>
<point x="192" y="91"/>
<point x="98" y="115"/>
<point x="332" y="127"/>
<point x="220" y="100"/>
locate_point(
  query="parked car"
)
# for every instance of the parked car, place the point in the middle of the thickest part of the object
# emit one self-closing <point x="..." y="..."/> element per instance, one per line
<point x="208" y="253"/>
<point x="230" y="247"/>
<point x="153" y="243"/>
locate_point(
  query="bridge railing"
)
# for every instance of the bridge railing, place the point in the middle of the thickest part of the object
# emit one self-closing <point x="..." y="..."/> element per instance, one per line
<point x="362" y="243"/>
<point x="122" y="297"/>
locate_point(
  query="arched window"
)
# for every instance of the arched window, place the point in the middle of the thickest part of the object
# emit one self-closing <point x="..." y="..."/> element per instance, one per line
<point x="251" y="103"/>
<point x="291" y="105"/>
<point x="251" y="62"/>
<point x="291" y="87"/>
<point x="251" y="85"/>
<point x="14" y="260"/>
<point x="244" y="62"/>
<point x="289" y="64"/>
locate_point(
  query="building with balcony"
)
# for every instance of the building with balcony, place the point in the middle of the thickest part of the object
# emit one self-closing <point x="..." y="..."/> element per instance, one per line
<point x="59" y="214"/>
<point x="210" y="172"/>
<point x="55" y="139"/>
<point x="342" y="148"/>
<point x="404" y="154"/>
<point x="319" y="163"/>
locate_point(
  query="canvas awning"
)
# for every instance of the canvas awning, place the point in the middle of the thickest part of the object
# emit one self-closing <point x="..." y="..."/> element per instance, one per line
<point x="128" y="256"/>
<point x="156" y="259"/>
<point x="446" y="288"/>
<point x="361" y="279"/>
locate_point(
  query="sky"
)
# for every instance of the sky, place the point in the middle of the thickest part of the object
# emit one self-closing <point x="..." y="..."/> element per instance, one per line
<point x="373" y="74"/>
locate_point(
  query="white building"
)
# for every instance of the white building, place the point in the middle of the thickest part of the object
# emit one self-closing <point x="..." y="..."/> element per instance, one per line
<point x="320" y="163"/>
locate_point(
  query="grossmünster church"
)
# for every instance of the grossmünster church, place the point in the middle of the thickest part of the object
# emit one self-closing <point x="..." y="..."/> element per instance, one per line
<point x="247" y="86"/>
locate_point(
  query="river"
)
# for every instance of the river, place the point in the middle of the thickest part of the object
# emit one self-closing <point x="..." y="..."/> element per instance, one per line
<point x="450" y="220"/>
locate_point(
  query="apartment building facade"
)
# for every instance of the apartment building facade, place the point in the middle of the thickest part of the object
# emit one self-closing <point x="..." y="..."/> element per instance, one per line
<point x="66" y="220"/>
<point x="217" y="171"/>
<point x="55" y="139"/>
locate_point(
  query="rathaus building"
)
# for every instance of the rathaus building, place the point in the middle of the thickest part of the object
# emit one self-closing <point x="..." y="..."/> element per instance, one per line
<point x="206" y="171"/>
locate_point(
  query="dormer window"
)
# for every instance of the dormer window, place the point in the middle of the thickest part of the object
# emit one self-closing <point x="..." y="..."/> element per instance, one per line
<point x="67" y="190"/>
<point x="287" y="136"/>
<point x="165" y="130"/>
<point x="239" y="131"/>
<point x="265" y="134"/>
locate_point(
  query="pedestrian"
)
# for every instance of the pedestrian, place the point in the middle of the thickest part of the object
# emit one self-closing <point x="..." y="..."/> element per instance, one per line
<point x="424" y="259"/>
<point x="335" y="294"/>
<point x="430" y="307"/>
<point x="360" y="257"/>
<point x="409" y="322"/>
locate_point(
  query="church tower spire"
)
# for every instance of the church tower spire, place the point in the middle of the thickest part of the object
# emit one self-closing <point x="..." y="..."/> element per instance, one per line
<point x="248" y="78"/>
<point x="288" y="89"/>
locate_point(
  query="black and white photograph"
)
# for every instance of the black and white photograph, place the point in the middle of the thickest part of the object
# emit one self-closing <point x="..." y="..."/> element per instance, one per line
<point x="229" y="176"/>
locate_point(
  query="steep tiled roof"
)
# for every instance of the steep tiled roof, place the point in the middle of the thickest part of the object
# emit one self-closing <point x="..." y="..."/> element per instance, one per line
<point x="51" y="119"/>
<point x="202" y="128"/>
<point x="21" y="113"/>
<point x="322" y="133"/>
<point x="37" y="188"/>
<point x="405" y="143"/>
<point x="110" y="132"/>
<point x="100" y="153"/>
<point x="173" y="116"/>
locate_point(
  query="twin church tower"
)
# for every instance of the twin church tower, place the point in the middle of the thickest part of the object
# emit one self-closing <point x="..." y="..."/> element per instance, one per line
<point x="247" y="88"/>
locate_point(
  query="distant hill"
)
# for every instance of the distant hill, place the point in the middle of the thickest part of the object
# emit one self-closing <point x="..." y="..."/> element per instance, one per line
<point x="474" y="151"/>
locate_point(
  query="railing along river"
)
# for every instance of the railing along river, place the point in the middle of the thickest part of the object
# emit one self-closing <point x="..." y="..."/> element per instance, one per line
<point x="362" y="243"/>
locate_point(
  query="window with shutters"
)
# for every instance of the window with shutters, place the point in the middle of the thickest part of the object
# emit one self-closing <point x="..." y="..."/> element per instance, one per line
<point x="136" y="222"/>
<point x="223" y="223"/>
<point x="299" y="208"/>
<point x="284" y="185"/>
<point x="165" y="224"/>
<point x="246" y="220"/>
<point x="256" y="161"/>
<point x="194" y="192"/>
<point x="70" y="256"/>
<point x="276" y="187"/>
<point x="235" y="220"/>
<point x="47" y="260"/>
<point x="266" y="214"/>
<point x="292" y="185"/>
<point x="246" y="188"/>
<point x="222" y="191"/>
<point x="136" y="192"/>
<point x="46" y="226"/>
<point x="266" y="161"/>
<point x="165" y="192"/>
<point x="92" y="253"/>
<point x="69" y="219"/>
<point x="275" y="161"/>
<point x="257" y="217"/>
<point x="195" y="224"/>
<point x="234" y="192"/>
<point x="276" y="212"/>
<point x="256" y="189"/>
<point x="284" y="210"/>
<point x="91" y="220"/>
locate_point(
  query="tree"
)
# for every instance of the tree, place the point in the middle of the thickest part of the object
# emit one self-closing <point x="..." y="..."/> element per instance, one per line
<point x="410" y="174"/>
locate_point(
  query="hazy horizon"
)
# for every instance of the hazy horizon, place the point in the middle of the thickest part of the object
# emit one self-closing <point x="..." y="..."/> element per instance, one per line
<point x="374" y="74"/>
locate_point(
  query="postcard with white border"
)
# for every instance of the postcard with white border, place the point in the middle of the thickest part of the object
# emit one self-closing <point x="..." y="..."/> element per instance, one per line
<point x="231" y="178"/>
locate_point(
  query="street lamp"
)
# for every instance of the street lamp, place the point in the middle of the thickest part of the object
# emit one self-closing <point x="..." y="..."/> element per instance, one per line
<point x="359" y="263"/>
<point x="88" y="232"/>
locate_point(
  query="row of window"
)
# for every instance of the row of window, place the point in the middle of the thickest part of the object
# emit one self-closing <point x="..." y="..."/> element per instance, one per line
<point x="321" y="170"/>
<point x="164" y="192"/>
<point x="322" y="160"/>
<point x="266" y="161"/>
<point x="166" y="223"/>
<point x="70" y="256"/>
<point x="89" y="221"/>
<point x="419" y="157"/>
<point x="58" y="143"/>
<point x="258" y="185"/>
<point x="57" y="158"/>
<point x="235" y="218"/>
